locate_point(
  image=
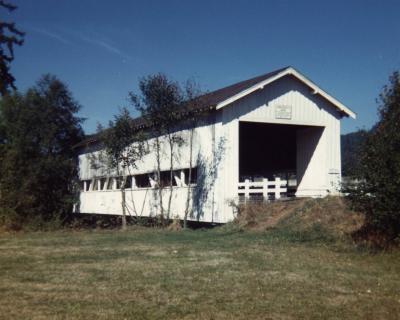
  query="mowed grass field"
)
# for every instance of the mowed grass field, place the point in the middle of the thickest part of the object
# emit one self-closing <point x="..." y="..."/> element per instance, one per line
<point x="200" y="274"/>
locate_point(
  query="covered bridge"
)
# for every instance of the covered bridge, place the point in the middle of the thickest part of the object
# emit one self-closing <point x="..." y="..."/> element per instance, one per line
<point x="273" y="136"/>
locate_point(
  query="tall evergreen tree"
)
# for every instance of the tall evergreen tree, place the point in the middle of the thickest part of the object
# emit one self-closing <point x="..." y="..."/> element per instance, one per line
<point x="10" y="36"/>
<point x="37" y="164"/>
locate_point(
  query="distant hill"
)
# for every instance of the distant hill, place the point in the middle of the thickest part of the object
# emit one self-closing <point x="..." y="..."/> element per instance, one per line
<point x="350" y="148"/>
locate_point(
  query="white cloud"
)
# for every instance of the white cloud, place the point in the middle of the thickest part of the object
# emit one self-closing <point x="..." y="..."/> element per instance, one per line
<point x="105" y="45"/>
<point x="91" y="38"/>
<point x="52" y="35"/>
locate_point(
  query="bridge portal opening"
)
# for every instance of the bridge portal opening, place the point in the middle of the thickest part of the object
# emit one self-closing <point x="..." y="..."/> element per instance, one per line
<point x="272" y="151"/>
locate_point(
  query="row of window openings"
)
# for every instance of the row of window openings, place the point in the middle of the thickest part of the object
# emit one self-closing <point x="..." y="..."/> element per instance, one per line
<point x="180" y="178"/>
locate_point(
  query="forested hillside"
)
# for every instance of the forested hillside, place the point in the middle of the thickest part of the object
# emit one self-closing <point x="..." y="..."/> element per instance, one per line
<point x="350" y="147"/>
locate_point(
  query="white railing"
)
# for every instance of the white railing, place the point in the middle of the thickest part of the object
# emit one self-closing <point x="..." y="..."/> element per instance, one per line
<point x="265" y="187"/>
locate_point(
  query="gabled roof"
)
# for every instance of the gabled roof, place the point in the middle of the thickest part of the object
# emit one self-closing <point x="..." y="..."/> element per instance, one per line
<point x="228" y="95"/>
<point x="221" y="98"/>
<point x="214" y="98"/>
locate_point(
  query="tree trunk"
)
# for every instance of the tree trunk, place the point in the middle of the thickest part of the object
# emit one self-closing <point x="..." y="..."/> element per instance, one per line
<point x="171" y="168"/>
<point x="123" y="206"/>
<point x="189" y="179"/>
<point x="123" y="199"/>
<point x="132" y="197"/>
<point x="159" y="180"/>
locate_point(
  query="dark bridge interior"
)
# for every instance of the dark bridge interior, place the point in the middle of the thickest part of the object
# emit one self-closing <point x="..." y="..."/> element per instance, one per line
<point x="266" y="150"/>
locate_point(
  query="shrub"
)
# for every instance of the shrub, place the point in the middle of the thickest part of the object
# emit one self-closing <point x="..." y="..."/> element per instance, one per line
<point x="377" y="192"/>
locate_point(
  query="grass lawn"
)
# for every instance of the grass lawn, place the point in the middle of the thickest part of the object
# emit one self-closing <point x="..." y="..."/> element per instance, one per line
<point x="212" y="274"/>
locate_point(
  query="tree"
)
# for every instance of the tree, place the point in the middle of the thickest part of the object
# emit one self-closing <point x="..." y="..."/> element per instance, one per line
<point x="37" y="162"/>
<point x="10" y="36"/>
<point x="377" y="194"/>
<point x="160" y="105"/>
<point x="123" y="145"/>
<point x="193" y="101"/>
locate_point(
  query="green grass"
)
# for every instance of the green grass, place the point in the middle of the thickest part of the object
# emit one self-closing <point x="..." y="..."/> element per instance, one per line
<point x="213" y="274"/>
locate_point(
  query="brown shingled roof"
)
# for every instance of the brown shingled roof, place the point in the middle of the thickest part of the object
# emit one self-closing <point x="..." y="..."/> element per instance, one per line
<point x="208" y="101"/>
<point x="220" y="95"/>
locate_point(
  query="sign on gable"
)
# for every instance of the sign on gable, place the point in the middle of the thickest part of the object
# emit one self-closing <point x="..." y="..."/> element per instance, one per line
<point x="283" y="112"/>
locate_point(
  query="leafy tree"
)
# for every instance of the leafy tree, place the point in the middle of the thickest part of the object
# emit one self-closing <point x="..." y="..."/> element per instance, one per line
<point x="123" y="146"/>
<point x="10" y="36"/>
<point x="37" y="163"/>
<point x="193" y="101"/>
<point x="163" y="106"/>
<point x="160" y="105"/>
<point x="377" y="193"/>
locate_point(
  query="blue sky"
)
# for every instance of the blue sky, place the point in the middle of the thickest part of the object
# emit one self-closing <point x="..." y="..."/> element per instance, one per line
<point x="101" y="48"/>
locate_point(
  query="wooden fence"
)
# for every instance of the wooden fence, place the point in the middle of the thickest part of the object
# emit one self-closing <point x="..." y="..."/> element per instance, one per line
<point x="267" y="189"/>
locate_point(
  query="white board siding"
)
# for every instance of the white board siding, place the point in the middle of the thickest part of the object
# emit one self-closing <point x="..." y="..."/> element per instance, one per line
<point x="148" y="163"/>
<point x="311" y="157"/>
<point x="307" y="109"/>
<point x="229" y="169"/>
<point x="109" y="201"/>
<point x="142" y="203"/>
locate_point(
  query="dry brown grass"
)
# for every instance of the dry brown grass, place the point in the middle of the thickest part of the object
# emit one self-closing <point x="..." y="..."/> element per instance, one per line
<point x="330" y="213"/>
<point x="223" y="273"/>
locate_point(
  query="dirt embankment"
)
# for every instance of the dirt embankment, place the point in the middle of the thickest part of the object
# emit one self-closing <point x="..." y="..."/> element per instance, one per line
<point x="330" y="213"/>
